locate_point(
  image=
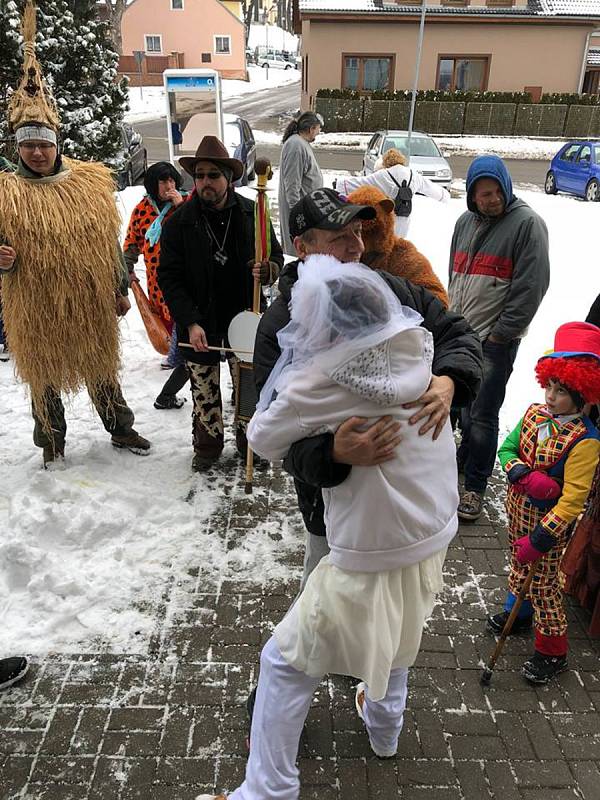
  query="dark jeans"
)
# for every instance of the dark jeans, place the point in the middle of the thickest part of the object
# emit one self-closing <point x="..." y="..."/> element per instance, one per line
<point x="479" y="420"/>
<point x="112" y="409"/>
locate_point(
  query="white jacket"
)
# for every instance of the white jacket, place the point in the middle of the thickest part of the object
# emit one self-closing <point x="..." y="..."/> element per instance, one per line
<point x="380" y="517"/>
<point x="382" y="180"/>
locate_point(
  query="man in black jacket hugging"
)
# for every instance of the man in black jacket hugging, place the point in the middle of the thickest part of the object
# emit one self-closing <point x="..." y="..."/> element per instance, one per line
<point x="324" y="222"/>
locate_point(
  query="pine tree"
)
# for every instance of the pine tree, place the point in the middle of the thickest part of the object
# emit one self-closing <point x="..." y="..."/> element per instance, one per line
<point x="80" y="65"/>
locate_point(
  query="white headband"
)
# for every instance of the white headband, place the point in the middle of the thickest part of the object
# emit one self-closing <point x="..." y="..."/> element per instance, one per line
<point x="36" y="132"/>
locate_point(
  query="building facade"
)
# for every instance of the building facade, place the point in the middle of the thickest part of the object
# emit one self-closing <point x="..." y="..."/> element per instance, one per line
<point x="480" y="45"/>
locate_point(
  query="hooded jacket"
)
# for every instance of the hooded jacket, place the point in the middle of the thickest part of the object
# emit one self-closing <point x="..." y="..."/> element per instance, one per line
<point x="457" y="354"/>
<point x="499" y="266"/>
<point x="384" y="517"/>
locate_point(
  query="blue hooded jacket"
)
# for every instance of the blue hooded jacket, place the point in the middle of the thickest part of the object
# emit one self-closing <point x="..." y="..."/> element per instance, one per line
<point x="489" y="167"/>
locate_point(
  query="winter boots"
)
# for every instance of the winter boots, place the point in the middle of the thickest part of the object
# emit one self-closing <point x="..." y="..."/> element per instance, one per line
<point x="12" y="670"/>
<point x="52" y="452"/>
<point x="165" y="401"/>
<point x="496" y="622"/>
<point x="540" y="669"/>
<point x="133" y="442"/>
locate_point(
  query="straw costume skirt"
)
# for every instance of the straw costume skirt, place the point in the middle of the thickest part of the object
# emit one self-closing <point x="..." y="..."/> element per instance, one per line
<point x="360" y="623"/>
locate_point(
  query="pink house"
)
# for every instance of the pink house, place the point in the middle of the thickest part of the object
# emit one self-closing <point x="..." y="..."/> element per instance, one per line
<point x="182" y="33"/>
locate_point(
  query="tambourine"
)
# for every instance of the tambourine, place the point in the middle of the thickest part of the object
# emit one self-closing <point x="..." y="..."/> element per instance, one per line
<point x="242" y="334"/>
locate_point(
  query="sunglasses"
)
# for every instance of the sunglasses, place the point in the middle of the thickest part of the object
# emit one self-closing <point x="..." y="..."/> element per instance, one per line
<point x="213" y="175"/>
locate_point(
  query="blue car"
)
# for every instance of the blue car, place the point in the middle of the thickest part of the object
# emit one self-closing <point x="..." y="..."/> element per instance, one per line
<point x="576" y="169"/>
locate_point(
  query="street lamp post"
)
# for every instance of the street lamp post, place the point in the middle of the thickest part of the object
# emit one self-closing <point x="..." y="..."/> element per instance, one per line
<point x="413" y="100"/>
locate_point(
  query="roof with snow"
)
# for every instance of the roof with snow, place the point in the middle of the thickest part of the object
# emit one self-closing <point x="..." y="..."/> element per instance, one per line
<point x="534" y="8"/>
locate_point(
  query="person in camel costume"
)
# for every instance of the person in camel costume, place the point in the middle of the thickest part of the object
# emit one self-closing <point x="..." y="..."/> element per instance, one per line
<point x="384" y="250"/>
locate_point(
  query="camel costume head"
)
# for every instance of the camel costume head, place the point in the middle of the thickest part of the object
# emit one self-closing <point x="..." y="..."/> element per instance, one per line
<point x="384" y="250"/>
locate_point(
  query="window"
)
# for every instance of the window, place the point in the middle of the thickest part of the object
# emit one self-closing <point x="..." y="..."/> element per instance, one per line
<point x="367" y="73"/>
<point x="597" y="154"/>
<point x="206" y="58"/>
<point x="585" y="154"/>
<point x="176" y="5"/>
<point x="419" y="146"/>
<point x="223" y="45"/>
<point x="462" y="73"/>
<point x="570" y="152"/>
<point x="153" y="43"/>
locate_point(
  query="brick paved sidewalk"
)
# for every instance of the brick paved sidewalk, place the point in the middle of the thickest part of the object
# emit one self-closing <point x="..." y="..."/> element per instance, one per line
<point x="172" y="723"/>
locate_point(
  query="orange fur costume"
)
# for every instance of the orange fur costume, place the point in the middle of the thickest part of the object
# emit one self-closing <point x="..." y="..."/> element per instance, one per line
<point x="384" y="250"/>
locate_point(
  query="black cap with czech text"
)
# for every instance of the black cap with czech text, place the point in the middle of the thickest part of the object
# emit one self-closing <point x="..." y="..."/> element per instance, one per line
<point x="327" y="210"/>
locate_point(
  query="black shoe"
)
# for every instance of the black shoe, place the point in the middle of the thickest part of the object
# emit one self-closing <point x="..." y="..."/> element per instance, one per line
<point x="540" y="669"/>
<point x="133" y="442"/>
<point x="168" y="401"/>
<point x="202" y="463"/>
<point x="12" y="670"/>
<point x="496" y="622"/>
<point x="51" y="453"/>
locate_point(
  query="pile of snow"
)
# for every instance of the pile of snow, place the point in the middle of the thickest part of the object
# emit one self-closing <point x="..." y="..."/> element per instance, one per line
<point x="503" y="146"/>
<point x="272" y="37"/>
<point x="149" y="102"/>
<point x="88" y="547"/>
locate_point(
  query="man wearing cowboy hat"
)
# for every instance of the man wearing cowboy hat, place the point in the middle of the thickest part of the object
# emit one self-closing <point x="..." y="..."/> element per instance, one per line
<point x="206" y="274"/>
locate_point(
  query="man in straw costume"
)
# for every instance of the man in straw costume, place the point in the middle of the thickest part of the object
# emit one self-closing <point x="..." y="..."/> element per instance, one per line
<point x="206" y="274"/>
<point x="62" y="275"/>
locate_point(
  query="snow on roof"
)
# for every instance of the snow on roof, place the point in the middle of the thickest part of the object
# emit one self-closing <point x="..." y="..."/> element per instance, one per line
<point x="536" y="8"/>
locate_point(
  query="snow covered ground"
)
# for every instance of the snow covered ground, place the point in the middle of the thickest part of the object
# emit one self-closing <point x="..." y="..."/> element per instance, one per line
<point x="84" y="545"/>
<point x="150" y="103"/>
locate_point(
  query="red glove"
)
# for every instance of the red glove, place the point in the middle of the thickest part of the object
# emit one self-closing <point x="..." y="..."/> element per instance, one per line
<point x="538" y="485"/>
<point x="525" y="552"/>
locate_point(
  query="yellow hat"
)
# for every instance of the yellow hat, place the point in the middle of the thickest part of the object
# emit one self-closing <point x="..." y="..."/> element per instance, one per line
<point x="32" y="103"/>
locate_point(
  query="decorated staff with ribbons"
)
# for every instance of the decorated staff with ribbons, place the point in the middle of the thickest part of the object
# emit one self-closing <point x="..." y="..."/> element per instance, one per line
<point x="206" y="274"/>
<point x="64" y="281"/>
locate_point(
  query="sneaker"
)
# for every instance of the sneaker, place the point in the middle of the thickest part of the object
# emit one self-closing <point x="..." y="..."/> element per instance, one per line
<point x="169" y="401"/>
<point x="12" y="670"/>
<point x="51" y="453"/>
<point x="496" y="622"/>
<point x="210" y="797"/>
<point x="133" y="442"/>
<point x="470" y="506"/>
<point x="359" y="701"/>
<point x="540" y="669"/>
<point x="166" y="365"/>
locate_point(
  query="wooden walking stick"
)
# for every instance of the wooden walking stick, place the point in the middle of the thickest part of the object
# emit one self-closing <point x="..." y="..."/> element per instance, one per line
<point x="246" y="398"/>
<point x="486" y="675"/>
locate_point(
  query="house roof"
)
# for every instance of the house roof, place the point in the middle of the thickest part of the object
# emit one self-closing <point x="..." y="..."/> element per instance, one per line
<point x="534" y="8"/>
<point x="593" y="57"/>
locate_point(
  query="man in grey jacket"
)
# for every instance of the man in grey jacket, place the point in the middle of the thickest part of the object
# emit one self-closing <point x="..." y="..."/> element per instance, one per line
<point x="299" y="172"/>
<point x="499" y="274"/>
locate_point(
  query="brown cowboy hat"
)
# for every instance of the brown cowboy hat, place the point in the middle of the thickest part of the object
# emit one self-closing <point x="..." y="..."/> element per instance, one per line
<point x="212" y="149"/>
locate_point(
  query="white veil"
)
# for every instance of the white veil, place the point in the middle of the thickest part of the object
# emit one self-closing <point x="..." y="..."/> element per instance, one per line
<point x="337" y="311"/>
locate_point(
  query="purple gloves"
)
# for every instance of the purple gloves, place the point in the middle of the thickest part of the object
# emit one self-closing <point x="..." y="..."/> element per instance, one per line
<point x="538" y="485"/>
<point x="525" y="552"/>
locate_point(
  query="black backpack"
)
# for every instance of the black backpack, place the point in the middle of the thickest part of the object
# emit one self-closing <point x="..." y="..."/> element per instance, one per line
<point x="403" y="199"/>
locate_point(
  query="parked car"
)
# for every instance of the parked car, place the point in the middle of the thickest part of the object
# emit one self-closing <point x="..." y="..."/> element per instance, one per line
<point x="275" y="62"/>
<point x="576" y="169"/>
<point x="239" y="140"/>
<point x="424" y="154"/>
<point x="133" y="155"/>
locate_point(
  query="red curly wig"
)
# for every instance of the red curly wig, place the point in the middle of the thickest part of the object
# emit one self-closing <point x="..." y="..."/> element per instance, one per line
<point x="580" y="373"/>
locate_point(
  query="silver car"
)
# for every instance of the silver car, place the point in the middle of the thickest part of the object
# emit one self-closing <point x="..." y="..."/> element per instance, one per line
<point x="424" y="154"/>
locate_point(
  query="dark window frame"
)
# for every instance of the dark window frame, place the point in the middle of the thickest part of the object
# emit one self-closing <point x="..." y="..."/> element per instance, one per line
<point x="487" y="57"/>
<point x="361" y="69"/>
